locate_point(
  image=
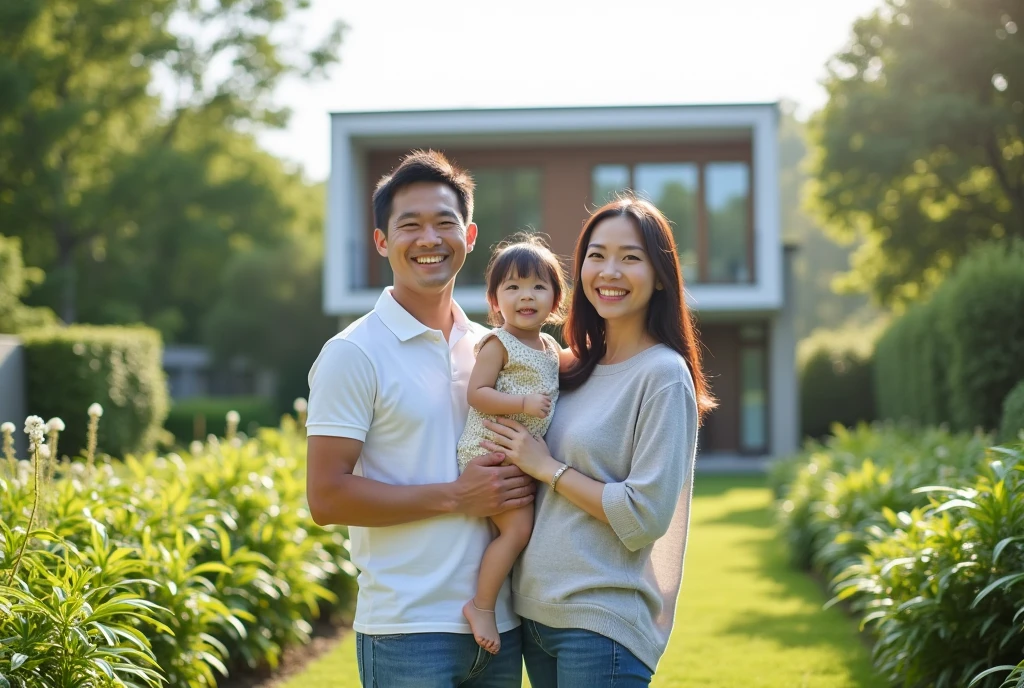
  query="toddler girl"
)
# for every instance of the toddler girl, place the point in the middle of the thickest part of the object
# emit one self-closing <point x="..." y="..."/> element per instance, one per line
<point x="516" y="375"/>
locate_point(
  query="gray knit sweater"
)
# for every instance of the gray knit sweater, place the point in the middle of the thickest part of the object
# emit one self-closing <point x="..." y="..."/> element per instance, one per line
<point x="632" y="426"/>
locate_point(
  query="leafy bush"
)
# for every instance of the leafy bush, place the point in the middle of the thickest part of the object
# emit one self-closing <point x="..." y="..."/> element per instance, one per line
<point x="984" y="310"/>
<point x="938" y="572"/>
<point x="1013" y="414"/>
<point x="911" y="367"/>
<point x="181" y="421"/>
<point x="836" y="384"/>
<point x="68" y="369"/>
<point x="838" y="489"/>
<point x="943" y="585"/>
<point x="16" y="281"/>
<point x="954" y="358"/>
<point x="218" y="545"/>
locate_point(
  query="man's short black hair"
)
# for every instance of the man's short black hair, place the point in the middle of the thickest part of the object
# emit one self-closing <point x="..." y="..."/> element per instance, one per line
<point x="422" y="166"/>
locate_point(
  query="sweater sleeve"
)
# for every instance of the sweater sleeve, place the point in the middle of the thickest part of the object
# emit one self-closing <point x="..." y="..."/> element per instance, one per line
<point x="641" y="507"/>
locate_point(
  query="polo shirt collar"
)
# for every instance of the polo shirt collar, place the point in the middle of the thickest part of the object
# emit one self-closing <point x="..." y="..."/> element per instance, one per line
<point x="404" y="326"/>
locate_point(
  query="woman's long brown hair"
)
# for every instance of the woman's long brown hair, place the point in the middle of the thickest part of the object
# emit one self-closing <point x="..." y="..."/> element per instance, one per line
<point x="669" y="320"/>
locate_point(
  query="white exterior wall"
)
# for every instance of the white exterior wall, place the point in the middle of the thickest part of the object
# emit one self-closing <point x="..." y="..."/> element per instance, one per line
<point x="352" y="134"/>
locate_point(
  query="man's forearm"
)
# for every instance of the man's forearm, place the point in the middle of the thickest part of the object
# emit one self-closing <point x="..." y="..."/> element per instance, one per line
<point x="352" y="500"/>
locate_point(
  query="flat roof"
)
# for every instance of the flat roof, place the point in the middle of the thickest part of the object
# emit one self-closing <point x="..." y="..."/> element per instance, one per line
<point x="557" y="108"/>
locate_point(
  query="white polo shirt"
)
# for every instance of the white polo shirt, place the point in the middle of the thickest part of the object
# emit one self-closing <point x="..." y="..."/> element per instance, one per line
<point x="396" y="385"/>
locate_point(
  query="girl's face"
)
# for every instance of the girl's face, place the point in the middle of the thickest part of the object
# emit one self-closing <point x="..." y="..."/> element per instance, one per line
<point x="524" y="302"/>
<point x="617" y="275"/>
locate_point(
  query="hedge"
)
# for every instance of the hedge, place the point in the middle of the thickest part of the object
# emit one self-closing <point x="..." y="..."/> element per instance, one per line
<point x="954" y="358"/>
<point x="255" y="412"/>
<point x="835" y="377"/>
<point x="68" y="369"/>
<point x="985" y="318"/>
<point x="1013" y="414"/>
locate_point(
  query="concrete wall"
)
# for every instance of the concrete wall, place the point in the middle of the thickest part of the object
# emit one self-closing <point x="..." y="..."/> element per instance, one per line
<point x="784" y="405"/>
<point x="12" y="388"/>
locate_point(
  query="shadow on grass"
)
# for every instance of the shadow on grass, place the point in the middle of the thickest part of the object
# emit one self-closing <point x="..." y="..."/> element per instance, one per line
<point x="758" y="517"/>
<point x="810" y="626"/>
<point x="717" y="485"/>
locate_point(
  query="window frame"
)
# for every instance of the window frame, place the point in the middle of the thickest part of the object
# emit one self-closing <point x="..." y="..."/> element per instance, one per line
<point x="702" y="240"/>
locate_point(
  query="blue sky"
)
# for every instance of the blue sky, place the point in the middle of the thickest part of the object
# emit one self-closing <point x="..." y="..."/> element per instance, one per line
<point x="400" y="54"/>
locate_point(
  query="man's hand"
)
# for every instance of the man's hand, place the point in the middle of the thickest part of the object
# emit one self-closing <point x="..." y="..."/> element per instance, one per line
<point x="537" y="405"/>
<point x="487" y="488"/>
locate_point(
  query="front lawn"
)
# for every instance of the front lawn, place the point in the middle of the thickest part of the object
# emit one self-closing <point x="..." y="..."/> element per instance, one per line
<point x="745" y="619"/>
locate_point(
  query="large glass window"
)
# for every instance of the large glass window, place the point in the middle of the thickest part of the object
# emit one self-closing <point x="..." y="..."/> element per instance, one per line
<point x="728" y="204"/>
<point x="608" y="180"/>
<point x="753" y="390"/>
<point x="712" y="233"/>
<point x="673" y="187"/>
<point x="507" y="200"/>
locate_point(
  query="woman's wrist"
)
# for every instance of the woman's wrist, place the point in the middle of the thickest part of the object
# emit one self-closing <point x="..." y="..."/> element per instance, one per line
<point x="548" y="467"/>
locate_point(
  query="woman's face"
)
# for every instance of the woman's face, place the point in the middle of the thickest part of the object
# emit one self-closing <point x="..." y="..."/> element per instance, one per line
<point x="617" y="274"/>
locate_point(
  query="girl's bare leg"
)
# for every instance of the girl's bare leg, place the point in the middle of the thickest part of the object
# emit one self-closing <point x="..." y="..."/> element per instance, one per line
<point x="514" y="529"/>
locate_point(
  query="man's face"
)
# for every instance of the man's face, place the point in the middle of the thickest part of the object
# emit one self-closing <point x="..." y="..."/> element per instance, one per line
<point x="427" y="238"/>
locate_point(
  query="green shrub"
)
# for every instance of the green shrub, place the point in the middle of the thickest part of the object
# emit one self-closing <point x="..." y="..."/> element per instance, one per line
<point x="943" y="585"/>
<point x="837" y="490"/>
<point x="255" y="412"/>
<point x="69" y="369"/>
<point x="983" y="309"/>
<point x="1013" y="414"/>
<point x="16" y="281"/>
<point x="911" y="367"/>
<point x="836" y="384"/>
<point x="212" y="556"/>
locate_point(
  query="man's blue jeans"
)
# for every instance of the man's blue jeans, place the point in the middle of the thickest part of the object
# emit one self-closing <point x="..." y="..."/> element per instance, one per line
<point x="438" y="660"/>
<point x="574" y="658"/>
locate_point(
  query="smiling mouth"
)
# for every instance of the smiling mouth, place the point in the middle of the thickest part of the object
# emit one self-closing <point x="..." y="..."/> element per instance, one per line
<point x="429" y="260"/>
<point x="527" y="311"/>
<point x="611" y="294"/>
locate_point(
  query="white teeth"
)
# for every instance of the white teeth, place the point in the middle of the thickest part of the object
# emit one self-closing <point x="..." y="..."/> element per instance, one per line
<point x="425" y="260"/>
<point x="612" y="292"/>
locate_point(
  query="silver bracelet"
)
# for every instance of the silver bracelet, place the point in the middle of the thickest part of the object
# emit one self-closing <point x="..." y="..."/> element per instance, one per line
<point x="557" y="475"/>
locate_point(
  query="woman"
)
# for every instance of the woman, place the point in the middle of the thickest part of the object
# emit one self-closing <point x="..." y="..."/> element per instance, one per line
<point x="597" y="585"/>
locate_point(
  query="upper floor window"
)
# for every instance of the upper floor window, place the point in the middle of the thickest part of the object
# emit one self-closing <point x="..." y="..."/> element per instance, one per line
<point x="507" y="200"/>
<point x="708" y="205"/>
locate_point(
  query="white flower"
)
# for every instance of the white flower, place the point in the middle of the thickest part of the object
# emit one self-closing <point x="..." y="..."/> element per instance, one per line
<point x="95" y="410"/>
<point x="35" y="429"/>
<point x="7" y="428"/>
<point x="233" y="417"/>
<point x="300" y="405"/>
<point x="55" y="424"/>
<point x="44" y="451"/>
<point x="196" y="447"/>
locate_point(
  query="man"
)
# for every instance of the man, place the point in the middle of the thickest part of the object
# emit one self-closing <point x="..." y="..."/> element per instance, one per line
<point x="387" y="405"/>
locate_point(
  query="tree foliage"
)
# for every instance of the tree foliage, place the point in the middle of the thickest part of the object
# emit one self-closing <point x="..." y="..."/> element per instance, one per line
<point x="15" y="282"/>
<point x="120" y="130"/>
<point x="920" y="150"/>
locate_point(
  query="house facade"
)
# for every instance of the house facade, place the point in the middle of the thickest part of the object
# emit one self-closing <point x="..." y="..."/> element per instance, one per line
<point x="713" y="171"/>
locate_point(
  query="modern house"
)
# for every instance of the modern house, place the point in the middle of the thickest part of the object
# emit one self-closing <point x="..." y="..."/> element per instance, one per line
<point x="712" y="169"/>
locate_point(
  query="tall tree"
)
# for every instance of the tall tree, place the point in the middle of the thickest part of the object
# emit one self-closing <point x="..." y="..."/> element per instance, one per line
<point x="919" y="148"/>
<point x="819" y="257"/>
<point x="78" y="112"/>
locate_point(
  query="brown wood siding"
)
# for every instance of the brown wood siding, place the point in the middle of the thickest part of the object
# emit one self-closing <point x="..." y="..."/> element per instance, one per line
<point x="566" y="174"/>
<point x="721" y="363"/>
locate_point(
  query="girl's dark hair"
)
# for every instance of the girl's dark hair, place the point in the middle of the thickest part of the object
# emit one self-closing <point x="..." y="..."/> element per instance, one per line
<point x="669" y="320"/>
<point x="526" y="255"/>
<point x="422" y="166"/>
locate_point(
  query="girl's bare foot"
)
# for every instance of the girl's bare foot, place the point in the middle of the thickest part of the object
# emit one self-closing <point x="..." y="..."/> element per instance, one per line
<point x="485" y="629"/>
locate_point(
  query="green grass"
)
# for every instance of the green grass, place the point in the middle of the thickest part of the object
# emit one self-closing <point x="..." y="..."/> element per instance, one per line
<point x="745" y="618"/>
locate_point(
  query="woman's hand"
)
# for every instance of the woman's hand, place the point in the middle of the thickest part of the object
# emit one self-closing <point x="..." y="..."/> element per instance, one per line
<point x="521" y="448"/>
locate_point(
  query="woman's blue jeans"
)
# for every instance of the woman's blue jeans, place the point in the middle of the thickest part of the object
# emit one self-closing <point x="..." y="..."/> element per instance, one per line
<point x="574" y="658"/>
